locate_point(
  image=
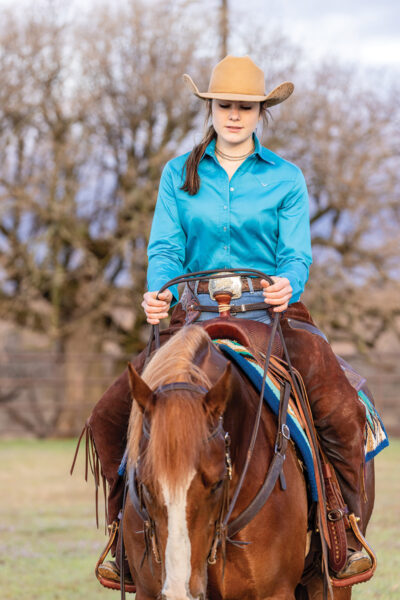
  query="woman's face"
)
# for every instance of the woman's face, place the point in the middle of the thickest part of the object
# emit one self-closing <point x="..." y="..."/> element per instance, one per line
<point x="234" y="121"/>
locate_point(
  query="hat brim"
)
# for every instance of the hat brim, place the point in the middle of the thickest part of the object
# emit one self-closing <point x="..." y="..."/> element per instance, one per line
<point x="278" y="94"/>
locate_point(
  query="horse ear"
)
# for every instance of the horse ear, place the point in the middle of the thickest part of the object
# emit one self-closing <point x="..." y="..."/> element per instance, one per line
<point x="217" y="398"/>
<point x="139" y="388"/>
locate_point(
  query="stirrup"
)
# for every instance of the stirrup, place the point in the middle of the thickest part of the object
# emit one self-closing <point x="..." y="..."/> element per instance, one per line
<point x="110" y="583"/>
<point x="365" y="575"/>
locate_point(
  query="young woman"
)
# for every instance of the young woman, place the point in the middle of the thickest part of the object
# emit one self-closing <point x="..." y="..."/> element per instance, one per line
<point x="232" y="203"/>
<point x="231" y="199"/>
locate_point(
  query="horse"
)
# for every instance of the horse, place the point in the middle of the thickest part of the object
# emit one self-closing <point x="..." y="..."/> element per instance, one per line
<point x="190" y="427"/>
<point x="177" y="447"/>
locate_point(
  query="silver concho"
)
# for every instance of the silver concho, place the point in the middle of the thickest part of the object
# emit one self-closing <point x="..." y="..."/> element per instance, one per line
<point x="231" y="284"/>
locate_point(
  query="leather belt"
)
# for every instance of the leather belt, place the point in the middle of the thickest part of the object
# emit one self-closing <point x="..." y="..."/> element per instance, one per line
<point x="235" y="308"/>
<point x="203" y="285"/>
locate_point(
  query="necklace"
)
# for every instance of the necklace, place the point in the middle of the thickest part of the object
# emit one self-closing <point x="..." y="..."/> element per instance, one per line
<point x="232" y="158"/>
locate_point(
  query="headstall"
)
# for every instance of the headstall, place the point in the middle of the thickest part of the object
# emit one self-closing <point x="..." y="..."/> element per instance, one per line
<point x="136" y="487"/>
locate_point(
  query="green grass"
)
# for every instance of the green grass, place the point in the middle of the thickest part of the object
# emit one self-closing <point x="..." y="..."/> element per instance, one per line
<point x="384" y="529"/>
<point x="49" y="543"/>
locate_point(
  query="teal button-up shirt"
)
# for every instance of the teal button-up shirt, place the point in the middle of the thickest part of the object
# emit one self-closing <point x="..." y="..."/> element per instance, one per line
<point x="259" y="219"/>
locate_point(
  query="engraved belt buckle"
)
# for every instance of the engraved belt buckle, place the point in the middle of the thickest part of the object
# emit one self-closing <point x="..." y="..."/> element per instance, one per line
<point x="232" y="284"/>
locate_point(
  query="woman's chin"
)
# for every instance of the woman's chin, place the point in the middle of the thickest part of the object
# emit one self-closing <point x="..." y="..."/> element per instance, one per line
<point x="234" y="137"/>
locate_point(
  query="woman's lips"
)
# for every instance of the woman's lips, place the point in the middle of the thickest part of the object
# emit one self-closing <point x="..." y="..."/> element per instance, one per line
<point x="233" y="128"/>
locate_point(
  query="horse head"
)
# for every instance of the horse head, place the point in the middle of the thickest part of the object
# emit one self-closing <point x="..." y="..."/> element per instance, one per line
<point x="179" y="452"/>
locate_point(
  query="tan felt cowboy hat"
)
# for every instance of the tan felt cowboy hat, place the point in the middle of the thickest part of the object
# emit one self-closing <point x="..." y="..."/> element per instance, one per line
<point x="239" y="78"/>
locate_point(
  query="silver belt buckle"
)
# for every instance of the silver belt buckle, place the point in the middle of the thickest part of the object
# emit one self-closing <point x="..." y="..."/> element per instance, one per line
<point x="231" y="284"/>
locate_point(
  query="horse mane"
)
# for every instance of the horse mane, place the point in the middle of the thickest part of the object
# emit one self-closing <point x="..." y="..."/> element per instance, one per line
<point x="178" y="421"/>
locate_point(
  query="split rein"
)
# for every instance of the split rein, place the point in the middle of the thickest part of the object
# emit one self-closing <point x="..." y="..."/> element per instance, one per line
<point x="283" y="431"/>
<point x="224" y="530"/>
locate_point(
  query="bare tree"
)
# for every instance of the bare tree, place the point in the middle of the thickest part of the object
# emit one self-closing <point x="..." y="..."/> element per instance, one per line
<point x="86" y="126"/>
<point x="81" y="161"/>
<point x="345" y="136"/>
<point x="90" y="111"/>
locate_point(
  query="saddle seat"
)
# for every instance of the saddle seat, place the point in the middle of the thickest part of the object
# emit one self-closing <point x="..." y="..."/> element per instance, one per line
<point x="253" y="335"/>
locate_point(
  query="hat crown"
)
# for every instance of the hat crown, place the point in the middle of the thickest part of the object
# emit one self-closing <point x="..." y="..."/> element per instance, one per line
<point x="237" y="75"/>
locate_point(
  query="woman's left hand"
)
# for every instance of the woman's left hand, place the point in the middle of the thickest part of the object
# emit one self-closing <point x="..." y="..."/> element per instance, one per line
<point x="277" y="294"/>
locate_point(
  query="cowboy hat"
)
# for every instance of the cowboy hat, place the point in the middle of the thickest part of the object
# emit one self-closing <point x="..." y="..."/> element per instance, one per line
<point x="239" y="78"/>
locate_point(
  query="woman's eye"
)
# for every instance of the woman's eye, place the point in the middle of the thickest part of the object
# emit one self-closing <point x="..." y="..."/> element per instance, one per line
<point x="224" y="105"/>
<point x="245" y="107"/>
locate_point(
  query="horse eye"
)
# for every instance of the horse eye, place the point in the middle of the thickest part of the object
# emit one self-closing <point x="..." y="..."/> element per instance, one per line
<point x="216" y="486"/>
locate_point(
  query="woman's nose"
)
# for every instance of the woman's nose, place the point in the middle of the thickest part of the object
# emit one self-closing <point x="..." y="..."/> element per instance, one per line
<point x="234" y="113"/>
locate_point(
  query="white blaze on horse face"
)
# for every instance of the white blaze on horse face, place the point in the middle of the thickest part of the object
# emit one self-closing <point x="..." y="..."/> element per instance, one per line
<point x="178" y="550"/>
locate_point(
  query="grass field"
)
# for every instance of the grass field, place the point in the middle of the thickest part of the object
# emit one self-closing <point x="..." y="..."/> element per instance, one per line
<point x="49" y="543"/>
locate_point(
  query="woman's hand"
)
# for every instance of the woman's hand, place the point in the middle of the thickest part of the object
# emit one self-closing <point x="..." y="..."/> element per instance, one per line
<point x="277" y="294"/>
<point x="156" y="309"/>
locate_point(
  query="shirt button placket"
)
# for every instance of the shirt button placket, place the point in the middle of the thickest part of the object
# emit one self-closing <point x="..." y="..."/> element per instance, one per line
<point x="227" y="230"/>
<point x="225" y="188"/>
<point x="225" y="236"/>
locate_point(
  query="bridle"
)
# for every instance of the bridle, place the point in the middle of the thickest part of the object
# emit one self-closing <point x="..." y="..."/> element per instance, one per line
<point x="135" y="486"/>
<point x="225" y="530"/>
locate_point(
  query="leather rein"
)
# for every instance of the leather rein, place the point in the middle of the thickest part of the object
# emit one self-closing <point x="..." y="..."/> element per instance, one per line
<point x="228" y="530"/>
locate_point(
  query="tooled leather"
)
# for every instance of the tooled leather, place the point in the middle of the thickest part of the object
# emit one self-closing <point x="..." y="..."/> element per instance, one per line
<point x="365" y="575"/>
<point x="188" y="300"/>
<point x="254" y="335"/>
<point x="337" y="529"/>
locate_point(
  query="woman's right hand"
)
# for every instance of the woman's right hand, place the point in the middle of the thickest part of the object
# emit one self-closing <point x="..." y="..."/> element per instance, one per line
<point x="156" y="309"/>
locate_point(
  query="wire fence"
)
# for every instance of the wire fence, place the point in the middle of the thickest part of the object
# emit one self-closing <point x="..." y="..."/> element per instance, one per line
<point x="43" y="394"/>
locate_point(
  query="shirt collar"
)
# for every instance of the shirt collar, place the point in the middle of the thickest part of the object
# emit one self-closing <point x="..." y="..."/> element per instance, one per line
<point x="262" y="152"/>
<point x="210" y="150"/>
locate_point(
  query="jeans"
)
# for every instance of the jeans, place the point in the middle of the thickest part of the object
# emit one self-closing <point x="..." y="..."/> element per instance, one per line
<point x="246" y="298"/>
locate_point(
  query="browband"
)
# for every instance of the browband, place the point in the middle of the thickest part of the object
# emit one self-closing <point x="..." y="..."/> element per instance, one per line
<point x="181" y="385"/>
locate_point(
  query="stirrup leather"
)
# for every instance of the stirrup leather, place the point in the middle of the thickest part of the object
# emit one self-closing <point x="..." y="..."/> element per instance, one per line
<point x="366" y="575"/>
<point x="109" y="583"/>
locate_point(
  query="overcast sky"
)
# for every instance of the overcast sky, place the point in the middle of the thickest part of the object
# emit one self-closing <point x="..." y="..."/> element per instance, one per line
<point x="365" y="31"/>
<point x="362" y="31"/>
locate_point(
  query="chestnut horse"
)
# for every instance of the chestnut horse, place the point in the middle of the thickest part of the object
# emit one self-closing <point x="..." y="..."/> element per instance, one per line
<point x="186" y="402"/>
<point x="178" y="450"/>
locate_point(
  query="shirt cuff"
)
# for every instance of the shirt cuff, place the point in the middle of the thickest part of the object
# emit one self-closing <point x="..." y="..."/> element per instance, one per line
<point x="296" y="283"/>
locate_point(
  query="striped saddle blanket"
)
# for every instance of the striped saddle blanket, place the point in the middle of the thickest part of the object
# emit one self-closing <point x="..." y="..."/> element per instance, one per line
<point x="376" y="438"/>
